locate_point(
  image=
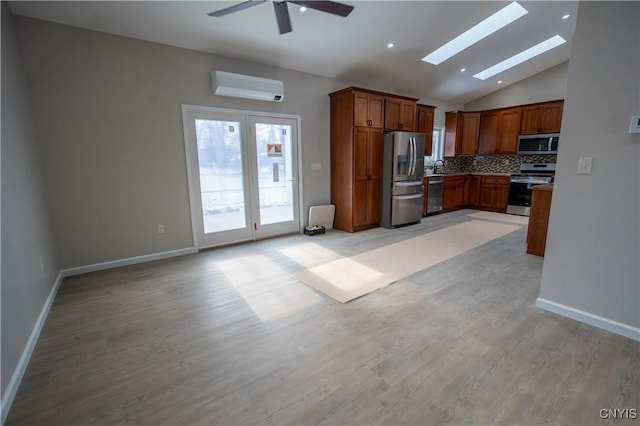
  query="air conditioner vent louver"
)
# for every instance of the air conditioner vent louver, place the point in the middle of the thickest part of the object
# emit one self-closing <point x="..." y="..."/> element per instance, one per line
<point x="247" y="86"/>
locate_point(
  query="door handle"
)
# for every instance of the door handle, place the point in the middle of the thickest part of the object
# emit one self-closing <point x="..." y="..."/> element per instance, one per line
<point x="412" y="160"/>
<point x="408" y="197"/>
<point x="410" y="157"/>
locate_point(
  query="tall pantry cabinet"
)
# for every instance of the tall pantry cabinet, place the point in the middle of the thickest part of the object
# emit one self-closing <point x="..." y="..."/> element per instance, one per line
<point x="356" y="158"/>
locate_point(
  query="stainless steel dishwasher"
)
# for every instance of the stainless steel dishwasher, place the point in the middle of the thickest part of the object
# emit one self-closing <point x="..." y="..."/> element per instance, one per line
<point x="434" y="194"/>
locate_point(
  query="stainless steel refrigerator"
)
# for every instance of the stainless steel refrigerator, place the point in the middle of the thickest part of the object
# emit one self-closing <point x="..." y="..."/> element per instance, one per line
<point x="402" y="178"/>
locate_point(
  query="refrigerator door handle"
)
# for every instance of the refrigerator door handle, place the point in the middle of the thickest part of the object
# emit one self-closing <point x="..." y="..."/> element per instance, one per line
<point x="412" y="156"/>
<point x="409" y="158"/>
<point x="415" y="156"/>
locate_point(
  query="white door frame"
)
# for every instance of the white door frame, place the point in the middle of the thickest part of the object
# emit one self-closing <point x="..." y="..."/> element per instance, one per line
<point x="192" y="160"/>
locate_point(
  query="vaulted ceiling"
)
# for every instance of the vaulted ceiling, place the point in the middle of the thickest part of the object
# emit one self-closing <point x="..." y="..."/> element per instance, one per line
<point x="352" y="49"/>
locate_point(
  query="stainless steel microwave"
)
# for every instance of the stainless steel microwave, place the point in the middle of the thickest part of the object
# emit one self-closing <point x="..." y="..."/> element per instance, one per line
<point x="538" y="144"/>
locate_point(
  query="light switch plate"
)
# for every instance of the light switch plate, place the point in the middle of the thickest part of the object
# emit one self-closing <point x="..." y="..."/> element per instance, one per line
<point x="635" y="124"/>
<point x="584" y="165"/>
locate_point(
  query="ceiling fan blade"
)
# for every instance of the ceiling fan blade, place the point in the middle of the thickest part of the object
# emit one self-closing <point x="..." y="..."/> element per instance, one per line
<point x="332" y="7"/>
<point x="236" y="7"/>
<point x="282" y="15"/>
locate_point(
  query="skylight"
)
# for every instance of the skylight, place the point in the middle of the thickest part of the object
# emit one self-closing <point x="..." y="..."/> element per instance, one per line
<point x="493" y="23"/>
<point x="531" y="52"/>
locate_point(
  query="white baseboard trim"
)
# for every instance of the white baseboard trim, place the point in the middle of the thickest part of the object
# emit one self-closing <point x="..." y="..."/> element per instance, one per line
<point x="18" y="373"/>
<point x="125" y="262"/>
<point x="588" y="318"/>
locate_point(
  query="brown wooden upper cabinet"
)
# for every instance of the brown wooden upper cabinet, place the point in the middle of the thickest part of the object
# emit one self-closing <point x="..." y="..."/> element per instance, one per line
<point x="368" y="110"/>
<point x="499" y="131"/>
<point x="424" y="124"/>
<point x="461" y="133"/>
<point x="400" y="114"/>
<point x="542" y="118"/>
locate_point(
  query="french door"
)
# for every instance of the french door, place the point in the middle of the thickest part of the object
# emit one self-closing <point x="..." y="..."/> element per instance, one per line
<point x="243" y="175"/>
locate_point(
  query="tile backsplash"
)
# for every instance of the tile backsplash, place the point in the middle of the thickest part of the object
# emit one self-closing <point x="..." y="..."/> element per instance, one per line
<point x="492" y="163"/>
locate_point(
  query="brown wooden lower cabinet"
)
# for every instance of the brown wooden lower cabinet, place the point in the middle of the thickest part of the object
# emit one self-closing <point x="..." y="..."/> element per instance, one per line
<point x="489" y="192"/>
<point x="453" y="194"/>
<point x="494" y="193"/>
<point x="479" y="191"/>
<point x="473" y="190"/>
<point x="539" y="219"/>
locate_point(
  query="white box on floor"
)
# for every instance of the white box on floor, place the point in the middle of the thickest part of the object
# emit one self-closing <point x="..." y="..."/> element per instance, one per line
<point x="322" y="215"/>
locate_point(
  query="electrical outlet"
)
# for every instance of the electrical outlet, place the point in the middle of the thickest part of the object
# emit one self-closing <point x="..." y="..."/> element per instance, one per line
<point x="584" y="165"/>
<point x="316" y="166"/>
<point x="160" y="229"/>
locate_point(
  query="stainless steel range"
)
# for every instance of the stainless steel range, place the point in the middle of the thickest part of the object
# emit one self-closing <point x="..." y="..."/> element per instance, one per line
<point x="531" y="174"/>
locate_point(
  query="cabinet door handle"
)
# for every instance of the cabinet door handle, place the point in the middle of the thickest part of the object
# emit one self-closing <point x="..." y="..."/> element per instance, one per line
<point x="401" y="125"/>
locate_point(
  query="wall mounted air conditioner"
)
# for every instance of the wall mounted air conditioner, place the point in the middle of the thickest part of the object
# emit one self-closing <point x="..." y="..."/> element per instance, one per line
<point x="246" y="86"/>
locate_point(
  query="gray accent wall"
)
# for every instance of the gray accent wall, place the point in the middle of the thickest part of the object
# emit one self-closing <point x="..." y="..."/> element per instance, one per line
<point x="26" y="230"/>
<point x="108" y="114"/>
<point x="593" y="247"/>
<point x="548" y="85"/>
<point x="109" y="123"/>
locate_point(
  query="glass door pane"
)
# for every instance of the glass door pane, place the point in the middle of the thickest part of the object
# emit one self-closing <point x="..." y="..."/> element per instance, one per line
<point x="275" y="143"/>
<point x="275" y="179"/>
<point x="219" y="145"/>
<point x="242" y="171"/>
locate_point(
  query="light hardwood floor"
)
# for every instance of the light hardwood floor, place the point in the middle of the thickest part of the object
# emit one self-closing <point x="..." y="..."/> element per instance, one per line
<point x="228" y="337"/>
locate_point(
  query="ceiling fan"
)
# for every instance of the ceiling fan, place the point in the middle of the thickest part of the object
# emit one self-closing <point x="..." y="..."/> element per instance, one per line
<point x="282" y="13"/>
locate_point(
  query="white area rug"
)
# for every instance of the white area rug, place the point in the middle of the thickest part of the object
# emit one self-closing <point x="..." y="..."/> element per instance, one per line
<point x="346" y="279"/>
<point x="503" y="217"/>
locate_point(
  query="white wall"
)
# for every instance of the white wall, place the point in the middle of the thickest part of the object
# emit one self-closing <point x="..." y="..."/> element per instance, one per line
<point x="109" y="124"/>
<point x="593" y="247"/>
<point x="548" y="85"/>
<point x="26" y="230"/>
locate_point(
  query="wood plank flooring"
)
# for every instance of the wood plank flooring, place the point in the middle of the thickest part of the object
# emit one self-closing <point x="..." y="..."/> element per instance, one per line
<point x="228" y="337"/>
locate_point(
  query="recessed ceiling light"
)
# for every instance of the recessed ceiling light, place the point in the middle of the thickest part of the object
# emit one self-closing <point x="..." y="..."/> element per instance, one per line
<point x="499" y="81"/>
<point x="303" y="9"/>
<point x="463" y="69"/>
<point x="390" y="45"/>
<point x="567" y="16"/>
<point x="531" y="52"/>
<point x="493" y="23"/>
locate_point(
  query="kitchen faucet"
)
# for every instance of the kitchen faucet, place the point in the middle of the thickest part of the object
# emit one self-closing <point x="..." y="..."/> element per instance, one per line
<point x="435" y="163"/>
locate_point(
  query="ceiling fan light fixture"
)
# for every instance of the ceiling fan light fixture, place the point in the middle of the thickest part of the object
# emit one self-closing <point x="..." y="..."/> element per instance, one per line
<point x="521" y="57"/>
<point x="282" y="13"/>
<point x="490" y="25"/>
